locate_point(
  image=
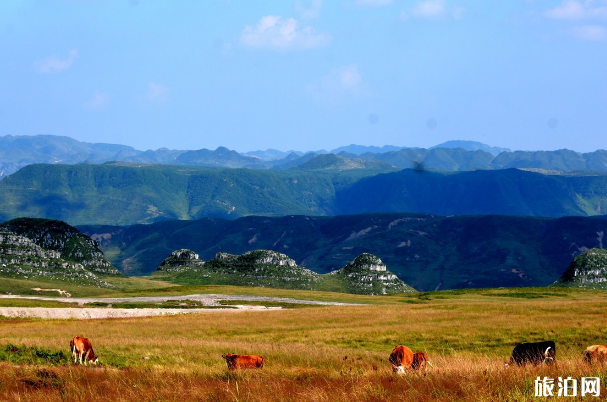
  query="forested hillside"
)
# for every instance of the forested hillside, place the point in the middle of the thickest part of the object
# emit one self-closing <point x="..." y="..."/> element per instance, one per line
<point x="426" y="251"/>
<point x="125" y="194"/>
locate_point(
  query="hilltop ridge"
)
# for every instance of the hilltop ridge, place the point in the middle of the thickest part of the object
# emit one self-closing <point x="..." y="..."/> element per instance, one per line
<point x="367" y="274"/>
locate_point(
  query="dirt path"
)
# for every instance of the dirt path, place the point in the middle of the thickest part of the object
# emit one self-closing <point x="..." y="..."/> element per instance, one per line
<point x="210" y="300"/>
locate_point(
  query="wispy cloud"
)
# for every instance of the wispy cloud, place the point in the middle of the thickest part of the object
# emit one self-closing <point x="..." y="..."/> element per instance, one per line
<point x="275" y="32"/>
<point x="578" y="10"/>
<point x="428" y="9"/>
<point x="590" y="33"/>
<point x="309" y="10"/>
<point x="99" y="101"/>
<point x="372" y="3"/>
<point x="55" y="64"/>
<point x="157" y="93"/>
<point x="341" y="84"/>
<point x="432" y="9"/>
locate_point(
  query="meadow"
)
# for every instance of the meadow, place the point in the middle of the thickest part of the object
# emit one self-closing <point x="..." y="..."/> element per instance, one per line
<point x="330" y="353"/>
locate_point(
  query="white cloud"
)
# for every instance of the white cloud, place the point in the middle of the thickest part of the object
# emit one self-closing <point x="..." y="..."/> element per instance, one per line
<point x="274" y="32"/>
<point x="428" y="9"/>
<point x="432" y="9"/>
<point x="157" y="92"/>
<point x="310" y="10"/>
<point x="99" y="101"/>
<point x="590" y="33"/>
<point x="578" y="10"/>
<point x="373" y="3"/>
<point x="54" y="64"/>
<point x="340" y="85"/>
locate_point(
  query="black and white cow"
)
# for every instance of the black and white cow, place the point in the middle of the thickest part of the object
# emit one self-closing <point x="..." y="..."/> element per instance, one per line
<point x="534" y="353"/>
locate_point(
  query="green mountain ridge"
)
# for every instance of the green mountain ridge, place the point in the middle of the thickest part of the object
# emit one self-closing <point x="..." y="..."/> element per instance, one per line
<point x="126" y="194"/>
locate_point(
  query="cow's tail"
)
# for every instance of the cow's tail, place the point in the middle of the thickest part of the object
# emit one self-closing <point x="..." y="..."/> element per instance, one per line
<point x="261" y="363"/>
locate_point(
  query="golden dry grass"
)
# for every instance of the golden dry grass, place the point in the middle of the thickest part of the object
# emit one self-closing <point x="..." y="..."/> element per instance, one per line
<point x="316" y="354"/>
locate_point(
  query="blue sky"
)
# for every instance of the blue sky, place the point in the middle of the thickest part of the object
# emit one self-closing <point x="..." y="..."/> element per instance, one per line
<point x="306" y="75"/>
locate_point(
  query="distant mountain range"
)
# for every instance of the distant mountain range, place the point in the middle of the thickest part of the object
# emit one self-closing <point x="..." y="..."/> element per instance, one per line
<point x="19" y="151"/>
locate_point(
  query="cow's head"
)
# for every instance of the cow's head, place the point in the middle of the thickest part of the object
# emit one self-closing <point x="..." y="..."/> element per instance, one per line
<point x="229" y="358"/>
<point x="549" y="355"/>
<point x="93" y="359"/>
<point x="400" y="370"/>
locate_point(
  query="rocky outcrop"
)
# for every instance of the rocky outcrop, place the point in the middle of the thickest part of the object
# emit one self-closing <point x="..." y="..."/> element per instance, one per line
<point x="69" y="242"/>
<point x="266" y="257"/>
<point x="588" y="270"/>
<point x="367" y="274"/>
<point x="263" y="268"/>
<point x="180" y="260"/>
<point x="21" y="258"/>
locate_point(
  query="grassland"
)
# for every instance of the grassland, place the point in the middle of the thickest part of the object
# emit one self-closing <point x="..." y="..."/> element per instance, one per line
<point x="336" y="353"/>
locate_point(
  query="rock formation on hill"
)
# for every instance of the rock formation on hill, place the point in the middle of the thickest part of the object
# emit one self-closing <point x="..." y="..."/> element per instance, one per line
<point x="51" y="250"/>
<point x="69" y="242"/>
<point x="367" y="274"/>
<point x="180" y="260"/>
<point x="588" y="270"/>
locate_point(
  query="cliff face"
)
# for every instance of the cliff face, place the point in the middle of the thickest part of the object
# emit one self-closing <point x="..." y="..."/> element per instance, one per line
<point x="367" y="274"/>
<point x="588" y="270"/>
<point x="51" y="250"/>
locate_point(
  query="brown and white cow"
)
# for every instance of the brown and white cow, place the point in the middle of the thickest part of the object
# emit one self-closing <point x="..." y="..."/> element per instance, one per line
<point x="236" y="362"/>
<point x="420" y="359"/>
<point x="401" y="359"/>
<point x="596" y="353"/>
<point x="82" y="350"/>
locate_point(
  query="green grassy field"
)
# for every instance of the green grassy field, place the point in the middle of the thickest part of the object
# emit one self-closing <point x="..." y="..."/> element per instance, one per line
<point x="329" y="353"/>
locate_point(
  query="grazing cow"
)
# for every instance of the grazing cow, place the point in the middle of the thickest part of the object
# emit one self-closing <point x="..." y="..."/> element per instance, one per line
<point x="401" y="359"/>
<point x="419" y="361"/>
<point x="534" y="353"/>
<point x="236" y="362"/>
<point x="83" y="350"/>
<point x="596" y="353"/>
